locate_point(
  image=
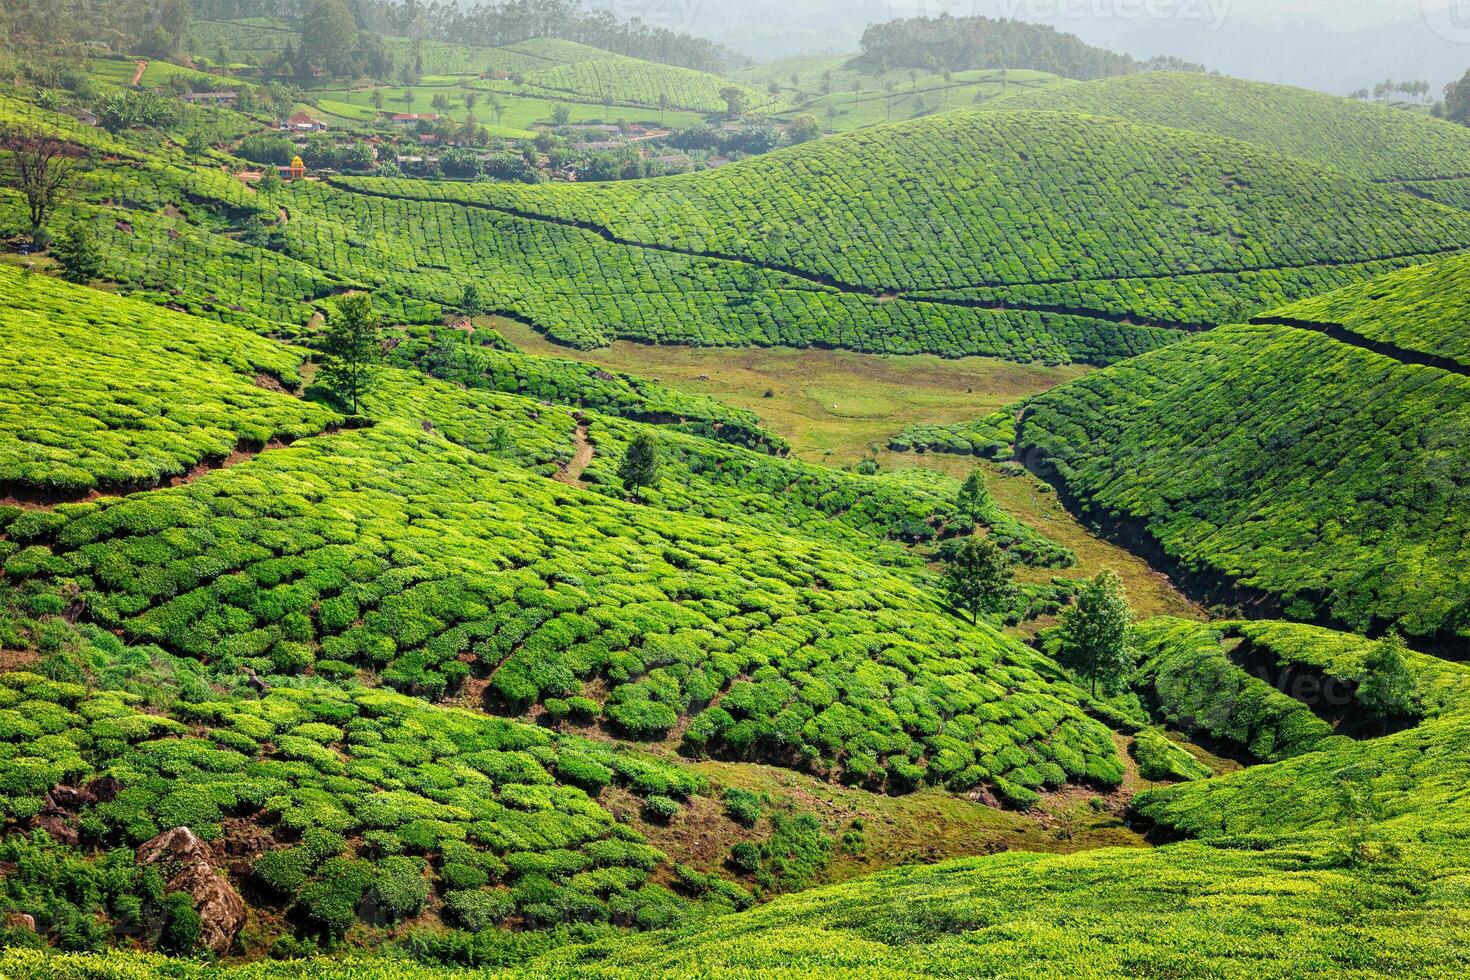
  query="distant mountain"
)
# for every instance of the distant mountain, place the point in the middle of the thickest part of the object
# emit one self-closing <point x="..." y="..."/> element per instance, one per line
<point x="1334" y="47"/>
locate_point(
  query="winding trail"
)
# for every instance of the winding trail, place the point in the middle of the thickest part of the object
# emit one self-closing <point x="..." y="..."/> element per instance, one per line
<point x="571" y="473"/>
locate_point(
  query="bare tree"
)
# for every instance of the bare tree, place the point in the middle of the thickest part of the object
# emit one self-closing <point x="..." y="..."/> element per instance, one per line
<point x="43" y="166"/>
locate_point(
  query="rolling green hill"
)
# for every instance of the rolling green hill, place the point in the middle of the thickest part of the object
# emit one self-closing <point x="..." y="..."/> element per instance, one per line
<point x="152" y="397"/>
<point x="996" y="216"/>
<point x="1362" y="139"/>
<point x="1318" y="468"/>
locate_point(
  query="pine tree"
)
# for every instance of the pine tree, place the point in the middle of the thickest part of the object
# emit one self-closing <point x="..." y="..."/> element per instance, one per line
<point x="1095" y="633"/>
<point x="471" y="304"/>
<point x="352" y="349"/>
<point x="639" y="467"/>
<point x="977" y="577"/>
<point x="79" y="255"/>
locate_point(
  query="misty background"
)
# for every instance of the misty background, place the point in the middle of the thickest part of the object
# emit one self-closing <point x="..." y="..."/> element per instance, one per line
<point x="1335" y="46"/>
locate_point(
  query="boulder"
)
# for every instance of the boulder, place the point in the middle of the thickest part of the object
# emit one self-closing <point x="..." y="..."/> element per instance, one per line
<point x="19" y="920"/>
<point x="184" y="860"/>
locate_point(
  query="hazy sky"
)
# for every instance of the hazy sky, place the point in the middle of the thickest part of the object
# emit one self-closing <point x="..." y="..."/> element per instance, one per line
<point x="1332" y="45"/>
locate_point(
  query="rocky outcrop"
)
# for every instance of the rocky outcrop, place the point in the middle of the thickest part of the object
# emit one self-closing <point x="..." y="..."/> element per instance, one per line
<point x="20" y="920"/>
<point x="184" y="860"/>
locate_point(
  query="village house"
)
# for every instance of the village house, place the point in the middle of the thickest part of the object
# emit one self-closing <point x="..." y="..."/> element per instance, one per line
<point x="303" y="123"/>
<point x="409" y="118"/>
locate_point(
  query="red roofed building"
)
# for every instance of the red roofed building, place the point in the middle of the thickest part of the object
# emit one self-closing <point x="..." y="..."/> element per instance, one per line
<point x="303" y="123"/>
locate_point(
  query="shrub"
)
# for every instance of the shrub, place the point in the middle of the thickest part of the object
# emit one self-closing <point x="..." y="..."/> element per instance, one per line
<point x="745" y="858"/>
<point x="399" y="886"/>
<point x="181" y="925"/>
<point x="330" y="903"/>
<point x="660" y="808"/>
<point x="284" y="871"/>
<point x="481" y="909"/>
<point x="743" y="806"/>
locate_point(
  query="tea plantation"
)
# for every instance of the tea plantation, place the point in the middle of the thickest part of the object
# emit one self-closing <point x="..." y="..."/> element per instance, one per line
<point x="346" y="639"/>
<point x="1288" y="877"/>
<point x="997" y="219"/>
<point x="1308" y="469"/>
<point x="100" y="393"/>
<point x="1362" y="139"/>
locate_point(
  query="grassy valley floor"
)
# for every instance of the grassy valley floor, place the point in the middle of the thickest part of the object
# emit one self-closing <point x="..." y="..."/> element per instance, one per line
<point x="838" y="407"/>
<point x="833" y="406"/>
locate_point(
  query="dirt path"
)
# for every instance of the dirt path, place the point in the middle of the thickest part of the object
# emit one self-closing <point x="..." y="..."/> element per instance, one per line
<point x="571" y="473"/>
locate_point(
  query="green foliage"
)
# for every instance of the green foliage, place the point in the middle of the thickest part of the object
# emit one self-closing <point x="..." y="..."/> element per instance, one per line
<point x="70" y="895"/>
<point x="1387" y="688"/>
<point x="96" y="391"/>
<point x="352" y="348"/>
<point x="1161" y="246"/>
<point x="660" y="808"/>
<point x="977" y="575"/>
<point x="992" y="437"/>
<point x="795" y="854"/>
<point x="640" y="465"/>
<point x="1363" y="139"/>
<point x="330" y="902"/>
<point x="743" y="806"/>
<point x="399" y="887"/>
<point x="480" y="362"/>
<point x="1185" y="674"/>
<point x="1093" y="639"/>
<point x="79" y="255"/>
<point x="1161" y="759"/>
<point x="1280" y="458"/>
<point x="479" y="910"/>
<point x="181" y="925"/>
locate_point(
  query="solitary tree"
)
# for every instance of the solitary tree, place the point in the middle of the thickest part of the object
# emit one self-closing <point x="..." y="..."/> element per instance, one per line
<point x="639" y="467"/>
<point x="804" y="128"/>
<point x="737" y="102"/>
<point x="973" y="499"/>
<point x="977" y="577"/>
<point x="80" y="258"/>
<point x="1387" y="689"/>
<point x="1095" y="633"/>
<point x="43" y="168"/>
<point x="471" y="304"/>
<point x="1457" y="101"/>
<point x="352" y="348"/>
